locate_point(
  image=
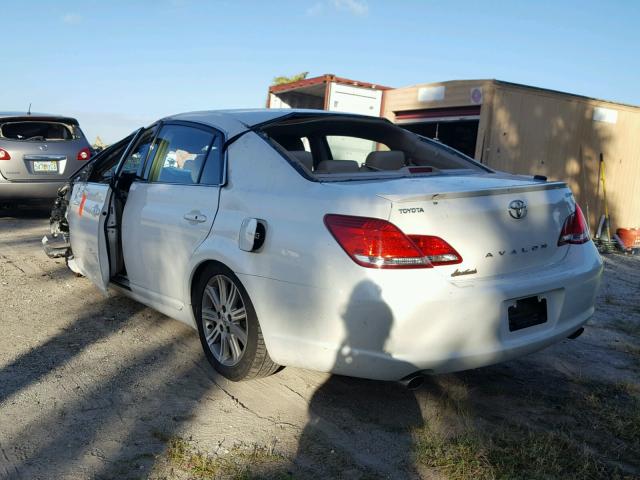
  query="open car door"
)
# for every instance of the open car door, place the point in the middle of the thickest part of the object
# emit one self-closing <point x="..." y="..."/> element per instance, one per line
<point x="88" y="213"/>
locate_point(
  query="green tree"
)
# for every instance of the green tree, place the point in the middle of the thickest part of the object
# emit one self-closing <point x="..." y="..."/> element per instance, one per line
<point x="292" y="78"/>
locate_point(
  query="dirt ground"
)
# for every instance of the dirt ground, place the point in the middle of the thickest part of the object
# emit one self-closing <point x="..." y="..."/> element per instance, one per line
<point x="103" y="387"/>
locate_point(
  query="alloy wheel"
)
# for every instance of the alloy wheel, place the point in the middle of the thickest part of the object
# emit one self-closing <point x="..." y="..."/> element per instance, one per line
<point x="224" y="318"/>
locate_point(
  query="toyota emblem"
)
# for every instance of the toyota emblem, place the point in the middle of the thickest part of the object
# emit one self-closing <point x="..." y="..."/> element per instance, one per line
<point x="518" y="209"/>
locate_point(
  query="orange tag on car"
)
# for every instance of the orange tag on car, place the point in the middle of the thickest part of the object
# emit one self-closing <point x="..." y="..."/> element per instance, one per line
<point x="84" y="199"/>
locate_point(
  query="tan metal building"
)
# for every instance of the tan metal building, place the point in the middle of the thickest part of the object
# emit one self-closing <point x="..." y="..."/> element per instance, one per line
<point x="507" y="126"/>
<point x="531" y="130"/>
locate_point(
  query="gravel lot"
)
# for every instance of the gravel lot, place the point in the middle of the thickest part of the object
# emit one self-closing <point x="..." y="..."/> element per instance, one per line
<point x="102" y="387"/>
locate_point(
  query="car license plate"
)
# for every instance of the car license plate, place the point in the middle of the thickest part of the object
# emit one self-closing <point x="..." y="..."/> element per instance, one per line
<point x="527" y="312"/>
<point x="45" y="166"/>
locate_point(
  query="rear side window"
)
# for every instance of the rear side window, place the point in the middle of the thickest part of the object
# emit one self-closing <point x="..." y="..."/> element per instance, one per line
<point x="212" y="171"/>
<point x="179" y="154"/>
<point x="38" y="131"/>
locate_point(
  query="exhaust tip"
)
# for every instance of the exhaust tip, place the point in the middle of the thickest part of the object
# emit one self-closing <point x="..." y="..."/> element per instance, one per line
<point x="414" y="381"/>
<point x="576" y="334"/>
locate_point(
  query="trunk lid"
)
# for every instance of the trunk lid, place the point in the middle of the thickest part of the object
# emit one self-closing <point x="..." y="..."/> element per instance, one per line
<point x="498" y="224"/>
<point x="50" y="156"/>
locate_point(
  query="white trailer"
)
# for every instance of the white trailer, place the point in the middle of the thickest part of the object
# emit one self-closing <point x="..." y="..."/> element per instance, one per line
<point x="328" y="92"/>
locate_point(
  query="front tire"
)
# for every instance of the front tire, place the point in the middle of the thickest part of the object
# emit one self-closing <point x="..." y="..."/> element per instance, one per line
<point x="228" y="326"/>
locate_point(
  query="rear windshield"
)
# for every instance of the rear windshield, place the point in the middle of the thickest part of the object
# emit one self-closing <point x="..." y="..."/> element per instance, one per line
<point x="339" y="147"/>
<point x="39" y="131"/>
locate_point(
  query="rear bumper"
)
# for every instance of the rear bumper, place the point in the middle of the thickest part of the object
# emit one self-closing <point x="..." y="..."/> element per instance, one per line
<point x="386" y="327"/>
<point x="25" y="191"/>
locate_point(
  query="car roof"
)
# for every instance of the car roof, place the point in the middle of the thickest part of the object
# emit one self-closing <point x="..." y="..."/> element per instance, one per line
<point x="235" y="122"/>
<point x="37" y="116"/>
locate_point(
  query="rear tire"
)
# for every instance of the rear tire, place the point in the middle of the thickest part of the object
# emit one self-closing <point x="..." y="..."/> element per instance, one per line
<point x="228" y="326"/>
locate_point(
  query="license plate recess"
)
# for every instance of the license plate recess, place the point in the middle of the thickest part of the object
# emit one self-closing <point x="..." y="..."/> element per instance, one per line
<point x="527" y="312"/>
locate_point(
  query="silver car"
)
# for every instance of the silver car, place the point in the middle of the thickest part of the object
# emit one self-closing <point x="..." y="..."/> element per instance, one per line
<point x="38" y="153"/>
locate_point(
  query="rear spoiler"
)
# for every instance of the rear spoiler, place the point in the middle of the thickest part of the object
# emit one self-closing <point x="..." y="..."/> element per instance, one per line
<point x="397" y="198"/>
<point x="40" y="118"/>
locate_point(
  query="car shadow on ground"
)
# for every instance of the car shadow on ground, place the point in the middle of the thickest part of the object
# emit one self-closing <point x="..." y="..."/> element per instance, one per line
<point x="60" y="349"/>
<point x="110" y="402"/>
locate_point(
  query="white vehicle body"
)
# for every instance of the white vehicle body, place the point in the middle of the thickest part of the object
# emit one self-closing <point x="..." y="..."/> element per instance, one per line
<point x="318" y="308"/>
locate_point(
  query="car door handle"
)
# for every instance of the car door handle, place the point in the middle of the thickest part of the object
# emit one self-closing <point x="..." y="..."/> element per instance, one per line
<point x="196" y="217"/>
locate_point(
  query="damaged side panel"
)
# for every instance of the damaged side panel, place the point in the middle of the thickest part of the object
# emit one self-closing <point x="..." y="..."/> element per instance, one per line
<point x="101" y="169"/>
<point x="56" y="244"/>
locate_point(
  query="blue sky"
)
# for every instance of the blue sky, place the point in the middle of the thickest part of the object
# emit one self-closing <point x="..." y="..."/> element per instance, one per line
<point x="117" y="65"/>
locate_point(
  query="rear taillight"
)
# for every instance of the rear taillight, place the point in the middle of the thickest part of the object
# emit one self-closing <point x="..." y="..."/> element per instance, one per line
<point x="4" y="155"/>
<point x="575" y="229"/>
<point x="436" y="250"/>
<point x="375" y="243"/>
<point x="84" y="154"/>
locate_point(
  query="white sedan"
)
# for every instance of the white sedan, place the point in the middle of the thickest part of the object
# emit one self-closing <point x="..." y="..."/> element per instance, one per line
<point x="333" y="242"/>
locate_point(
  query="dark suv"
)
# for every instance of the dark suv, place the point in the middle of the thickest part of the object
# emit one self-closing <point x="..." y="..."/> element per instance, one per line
<point x="38" y="152"/>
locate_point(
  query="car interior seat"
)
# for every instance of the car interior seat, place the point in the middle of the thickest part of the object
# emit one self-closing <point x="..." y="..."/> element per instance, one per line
<point x="294" y="145"/>
<point x="337" y="166"/>
<point x="194" y="166"/>
<point x="384" y="160"/>
<point x="175" y="175"/>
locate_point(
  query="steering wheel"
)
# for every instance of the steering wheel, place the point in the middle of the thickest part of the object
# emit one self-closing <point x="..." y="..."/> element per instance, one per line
<point x="36" y="137"/>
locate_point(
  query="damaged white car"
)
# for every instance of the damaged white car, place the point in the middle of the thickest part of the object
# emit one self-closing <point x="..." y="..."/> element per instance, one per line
<point x="332" y="242"/>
